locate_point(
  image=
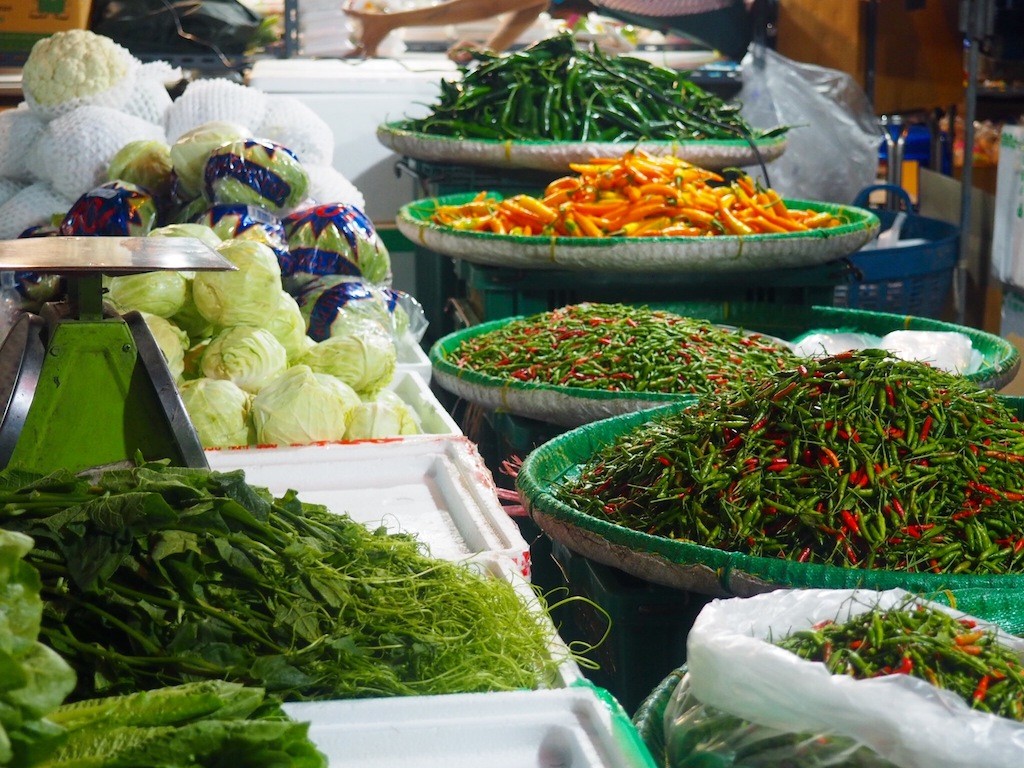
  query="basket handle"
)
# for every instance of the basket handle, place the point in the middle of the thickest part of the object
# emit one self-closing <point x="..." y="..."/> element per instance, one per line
<point x="861" y="200"/>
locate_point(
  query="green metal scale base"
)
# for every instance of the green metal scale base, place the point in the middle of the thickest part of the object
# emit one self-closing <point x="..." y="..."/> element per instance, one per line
<point x="82" y="386"/>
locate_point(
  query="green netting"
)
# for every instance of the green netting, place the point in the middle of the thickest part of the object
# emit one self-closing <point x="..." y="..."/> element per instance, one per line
<point x="684" y="564"/>
<point x="1000" y="359"/>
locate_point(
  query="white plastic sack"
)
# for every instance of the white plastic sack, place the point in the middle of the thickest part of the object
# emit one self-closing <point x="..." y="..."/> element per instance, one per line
<point x="832" y="147"/>
<point x="948" y="351"/>
<point x="735" y="668"/>
<point x="1008" y="229"/>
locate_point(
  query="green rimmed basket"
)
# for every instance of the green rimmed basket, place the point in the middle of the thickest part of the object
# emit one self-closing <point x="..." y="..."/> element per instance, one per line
<point x="684" y="564"/>
<point x="720" y="254"/>
<point x="573" y="406"/>
<point x="555" y="156"/>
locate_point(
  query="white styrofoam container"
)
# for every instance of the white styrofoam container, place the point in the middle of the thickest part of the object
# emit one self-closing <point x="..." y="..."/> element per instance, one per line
<point x="577" y="727"/>
<point x="411" y="357"/>
<point x="437" y="488"/>
<point x="415" y="392"/>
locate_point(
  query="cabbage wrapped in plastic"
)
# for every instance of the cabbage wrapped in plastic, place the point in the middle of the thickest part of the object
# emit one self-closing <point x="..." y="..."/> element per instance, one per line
<point x="365" y="359"/>
<point x="219" y="411"/>
<point x="335" y="239"/>
<point x="250" y="357"/>
<point x="160" y="293"/>
<point x="246" y="296"/>
<point x="172" y="342"/>
<point x="301" y="406"/>
<point x="255" y="172"/>
<point x="289" y="327"/>
<point x="145" y="163"/>
<point x="192" y="149"/>
<point x="246" y="222"/>
<point x="200" y="232"/>
<point x="330" y="303"/>
<point x="113" y="209"/>
<point x="386" y="415"/>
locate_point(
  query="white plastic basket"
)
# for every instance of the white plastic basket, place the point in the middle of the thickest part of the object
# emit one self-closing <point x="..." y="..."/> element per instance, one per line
<point x="436" y="488"/>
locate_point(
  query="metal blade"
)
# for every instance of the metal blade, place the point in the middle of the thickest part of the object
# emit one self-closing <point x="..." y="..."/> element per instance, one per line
<point x="109" y="255"/>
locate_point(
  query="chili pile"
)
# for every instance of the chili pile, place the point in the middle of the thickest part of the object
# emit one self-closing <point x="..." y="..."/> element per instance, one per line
<point x="621" y="348"/>
<point x="859" y="460"/>
<point x="559" y="90"/>
<point x="950" y="653"/>
<point x="637" y="195"/>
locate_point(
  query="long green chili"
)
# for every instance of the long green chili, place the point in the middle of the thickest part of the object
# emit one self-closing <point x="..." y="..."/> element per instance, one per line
<point x="559" y="90"/>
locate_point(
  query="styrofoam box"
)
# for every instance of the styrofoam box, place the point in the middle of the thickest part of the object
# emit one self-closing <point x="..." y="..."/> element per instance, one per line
<point x="415" y="392"/>
<point x="438" y="489"/>
<point x="411" y="357"/>
<point x="565" y="728"/>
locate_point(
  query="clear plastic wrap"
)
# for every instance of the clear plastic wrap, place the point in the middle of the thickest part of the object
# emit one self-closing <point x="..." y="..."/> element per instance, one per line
<point x="734" y="666"/>
<point x="330" y="303"/>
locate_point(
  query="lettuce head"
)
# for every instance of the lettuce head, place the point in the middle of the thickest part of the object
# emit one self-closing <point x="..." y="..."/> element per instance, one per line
<point x="365" y="360"/>
<point x="246" y="296"/>
<point x="219" y="411"/>
<point x="301" y="406"/>
<point x="250" y="357"/>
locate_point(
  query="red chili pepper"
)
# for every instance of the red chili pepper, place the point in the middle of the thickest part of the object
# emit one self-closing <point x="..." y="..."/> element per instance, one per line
<point x="805" y="555"/>
<point x="964" y="513"/>
<point x="665" y="460"/>
<point x="981" y="690"/>
<point x="890" y="395"/>
<point x="777" y="465"/>
<point x="926" y="428"/>
<point x="1019" y="545"/>
<point x="899" y="508"/>
<point x="831" y="456"/>
<point x="906" y="666"/>
<point x="850" y="521"/>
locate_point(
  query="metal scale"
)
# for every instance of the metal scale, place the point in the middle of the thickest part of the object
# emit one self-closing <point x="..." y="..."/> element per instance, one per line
<point x="80" y="385"/>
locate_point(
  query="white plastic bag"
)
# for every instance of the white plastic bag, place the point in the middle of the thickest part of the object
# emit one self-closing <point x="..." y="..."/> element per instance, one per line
<point x="1008" y="228"/>
<point x="832" y="147"/>
<point x="734" y="666"/>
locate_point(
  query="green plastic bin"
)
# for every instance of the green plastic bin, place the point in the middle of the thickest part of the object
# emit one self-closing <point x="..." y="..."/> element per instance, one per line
<point x="639" y="628"/>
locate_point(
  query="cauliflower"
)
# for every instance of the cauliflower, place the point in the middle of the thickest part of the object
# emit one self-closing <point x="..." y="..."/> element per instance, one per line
<point x="75" y="150"/>
<point x="77" y="67"/>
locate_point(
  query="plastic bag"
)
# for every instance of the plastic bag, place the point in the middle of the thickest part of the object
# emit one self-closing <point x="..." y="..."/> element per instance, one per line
<point x="1008" y="229"/>
<point x="949" y="351"/>
<point x="734" y="667"/>
<point x="199" y="27"/>
<point x="329" y="304"/>
<point x="832" y="146"/>
<point x="699" y="736"/>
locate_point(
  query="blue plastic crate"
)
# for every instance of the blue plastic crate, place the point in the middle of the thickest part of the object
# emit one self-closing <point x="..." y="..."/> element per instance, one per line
<point x="911" y="280"/>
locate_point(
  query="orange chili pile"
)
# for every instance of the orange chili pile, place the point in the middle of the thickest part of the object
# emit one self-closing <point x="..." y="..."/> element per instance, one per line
<point x="637" y="195"/>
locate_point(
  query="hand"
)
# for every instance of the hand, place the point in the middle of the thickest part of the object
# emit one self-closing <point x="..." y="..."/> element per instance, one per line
<point x="462" y="51"/>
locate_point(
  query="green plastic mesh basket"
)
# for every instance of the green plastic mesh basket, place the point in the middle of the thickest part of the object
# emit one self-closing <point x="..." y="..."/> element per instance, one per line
<point x="684" y="564"/>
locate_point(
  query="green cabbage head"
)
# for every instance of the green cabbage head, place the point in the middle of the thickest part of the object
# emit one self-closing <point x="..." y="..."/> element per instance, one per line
<point x="200" y="232"/>
<point x="192" y="149"/>
<point x="301" y="406"/>
<point x="172" y="342"/>
<point x="364" y="359"/>
<point x="145" y="163"/>
<point x="160" y="293"/>
<point x="289" y="327"/>
<point x="248" y="356"/>
<point x="219" y="411"/>
<point x="246" y="296"/>
<point x="386" y="415"/>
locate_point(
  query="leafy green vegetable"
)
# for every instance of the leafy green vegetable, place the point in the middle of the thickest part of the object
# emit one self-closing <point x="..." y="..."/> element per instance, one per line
<point x="157" y="575"/>
<point x="196" y="724"/>
<point x="33" y="679"/>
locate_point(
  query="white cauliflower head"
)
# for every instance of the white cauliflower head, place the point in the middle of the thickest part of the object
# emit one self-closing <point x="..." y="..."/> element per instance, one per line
<point x="215" y="100"/>
<point x="32" y="206"/>
<point x="77" y="67"/>
<point x="19" y="130"/>
<point x="75" y="149"/>
<point x="292" y="124"/>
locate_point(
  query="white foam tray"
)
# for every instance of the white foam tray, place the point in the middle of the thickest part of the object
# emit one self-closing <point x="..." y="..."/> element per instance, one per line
<point x="437" y="488"/>
<point x="412" y="358"/>
<point x="565" y="728"/>
<point x="415" y="392"/>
